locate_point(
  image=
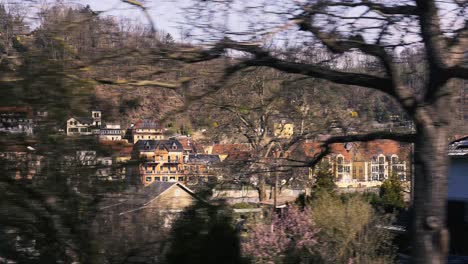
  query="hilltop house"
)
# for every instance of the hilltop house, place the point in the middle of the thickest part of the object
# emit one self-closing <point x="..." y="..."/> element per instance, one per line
<point x="110" y="132"/>
<point x="146" y="129"/>
<point x="84" y="125"/>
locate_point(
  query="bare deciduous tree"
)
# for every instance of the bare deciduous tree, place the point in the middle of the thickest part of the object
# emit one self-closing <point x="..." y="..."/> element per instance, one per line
<point x="377" y="29"/>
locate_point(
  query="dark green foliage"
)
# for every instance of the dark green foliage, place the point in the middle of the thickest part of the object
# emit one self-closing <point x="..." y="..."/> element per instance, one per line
<point x="391" y="194"/>
<point x="204" y="234"/>
<point x="324" y="179"/>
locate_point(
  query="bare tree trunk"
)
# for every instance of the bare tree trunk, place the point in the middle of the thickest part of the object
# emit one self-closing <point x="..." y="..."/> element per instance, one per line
<point x="430" y="237"/>
<point x="261" y="188"/>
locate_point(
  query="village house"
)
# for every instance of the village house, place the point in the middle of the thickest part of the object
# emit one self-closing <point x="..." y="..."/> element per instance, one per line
<point x="159" y="160"/>
<point x="104" y="168"/>
<point x="189" y="144"/>
<point x="233" y="152"/>
<point x="167" y="160"/>
<point x="364" y="164"/>
<point x="153" y="207"/>
<point x="19" y="162"/>
<point x="281" y="127"/>
<point x="146" y="129"/>
<point x="110" y="132"/>
<point x="123" y="155"/>
<point x="199" y="167"/>
<point x="84" y="125"/>
<point x="16" y="120"/>
<point x="85" y="157"/>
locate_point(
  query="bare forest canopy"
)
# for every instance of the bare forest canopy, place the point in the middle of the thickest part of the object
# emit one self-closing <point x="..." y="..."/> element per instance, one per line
<point x="76" y="59"/>
<point x="354" y="70"/>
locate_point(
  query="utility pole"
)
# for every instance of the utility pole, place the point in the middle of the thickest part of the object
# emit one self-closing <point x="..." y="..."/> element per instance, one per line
<point x="275" y="199"/>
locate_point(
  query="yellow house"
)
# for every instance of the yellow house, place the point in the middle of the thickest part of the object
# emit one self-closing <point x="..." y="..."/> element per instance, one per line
<point x="160" y="160"/>
<point x="283" y="130"/>
<point x="147" y="130"/>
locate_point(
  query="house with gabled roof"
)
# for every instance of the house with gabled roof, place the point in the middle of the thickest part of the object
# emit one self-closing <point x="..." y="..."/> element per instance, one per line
<point x="139" y="217"/>
<point x="146" y="129"/>
<point x="199" y="167"/>
<point x="238" y="151"/>
<point x="190" y="145"/>
<point x="159" y="160"/>
<point x="158" y="196"/>
<point x="363" y="163"/>
<point x="85" y="125"/>
<point x="16" y="119"/>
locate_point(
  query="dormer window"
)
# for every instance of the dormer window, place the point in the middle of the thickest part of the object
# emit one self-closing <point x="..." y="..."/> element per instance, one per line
<point x="174" y="146"/>
<point x="147" y="146"/>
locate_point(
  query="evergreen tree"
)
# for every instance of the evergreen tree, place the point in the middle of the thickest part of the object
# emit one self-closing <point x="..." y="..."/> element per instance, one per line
<point x="391" y="194"/>
<point x="324" y="179"/>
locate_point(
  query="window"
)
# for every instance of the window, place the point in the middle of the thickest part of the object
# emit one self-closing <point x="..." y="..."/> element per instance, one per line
<point x="73" y="130"/>
<point x="172" y="178"/>
<point x="381" y="160"/>
<point x="148" y="179"/>
<point x="157" y="178"/>
<point x="339" y="161"/>
<point x="164" y="179"/>
<point x="181" y="179"/>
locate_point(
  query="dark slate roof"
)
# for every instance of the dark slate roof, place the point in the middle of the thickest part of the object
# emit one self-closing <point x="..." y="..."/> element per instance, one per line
<point x="151" y="145"/>
<point x="203" y="159"/>
<point x="147" y="124"/>
<point x="154" y="190"/>
<point x="84" y="119"/>
<point x="136" y="198"/>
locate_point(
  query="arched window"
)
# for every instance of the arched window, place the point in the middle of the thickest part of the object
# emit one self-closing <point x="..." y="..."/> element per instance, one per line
<point x="339" y="162"/>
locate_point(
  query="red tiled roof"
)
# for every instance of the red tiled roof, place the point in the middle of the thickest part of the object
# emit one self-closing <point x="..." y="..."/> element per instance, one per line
<point x="358" y="150"/>
<point x="147" y="123"/>
<point x="189" y="144"/>
<point x="230" y="148"/>
<point x="17" y="109"/>
<point x="234" y="151"/>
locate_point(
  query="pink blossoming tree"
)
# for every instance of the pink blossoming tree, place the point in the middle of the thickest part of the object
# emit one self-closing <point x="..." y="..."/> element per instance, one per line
<point x="290" y="236"/>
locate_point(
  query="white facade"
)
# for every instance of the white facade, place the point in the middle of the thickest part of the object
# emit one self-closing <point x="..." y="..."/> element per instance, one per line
<point x="86" y="157"/>
<point x="110" y="132"/>
<point x="367" y="172"/>
<point x="76" y="127"/>
<point x="84" y="125"/>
